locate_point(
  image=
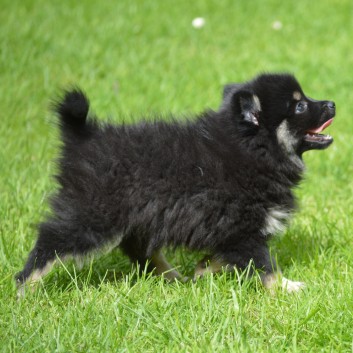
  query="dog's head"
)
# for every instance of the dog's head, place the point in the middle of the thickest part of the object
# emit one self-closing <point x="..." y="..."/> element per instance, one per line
<point x="277" y="103"/>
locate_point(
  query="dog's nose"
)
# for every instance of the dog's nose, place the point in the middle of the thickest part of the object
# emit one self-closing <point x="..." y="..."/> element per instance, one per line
<point x="330" y="105"/>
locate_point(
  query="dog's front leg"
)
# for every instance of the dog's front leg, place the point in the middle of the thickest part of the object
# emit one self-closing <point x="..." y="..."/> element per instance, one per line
<point x="271" y="277"/>
<point x="273" y="280"/>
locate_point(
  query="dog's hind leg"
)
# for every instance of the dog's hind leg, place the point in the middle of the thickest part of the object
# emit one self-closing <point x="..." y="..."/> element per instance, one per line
<point x="135" y="244"/>
<point x="57" y="239"/>
<point x="209" y="265"/>
<point x="163" y="267"/>
<point x="39" y="263"/>
<point x="54" y="238"/>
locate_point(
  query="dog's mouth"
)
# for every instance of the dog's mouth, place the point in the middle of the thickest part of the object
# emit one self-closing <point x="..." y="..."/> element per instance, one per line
<point x="317" y="140"/>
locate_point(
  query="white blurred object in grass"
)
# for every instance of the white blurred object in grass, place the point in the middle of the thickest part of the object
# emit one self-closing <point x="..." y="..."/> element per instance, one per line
<point x="277" y="25"/>
<point x="198" y="22"/>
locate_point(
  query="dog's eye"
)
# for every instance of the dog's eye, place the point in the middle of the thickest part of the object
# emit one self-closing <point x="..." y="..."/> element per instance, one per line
<point x="301" y="107"/>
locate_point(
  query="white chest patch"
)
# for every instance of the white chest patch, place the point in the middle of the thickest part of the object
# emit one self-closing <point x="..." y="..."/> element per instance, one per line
<point x="275" y="221"/>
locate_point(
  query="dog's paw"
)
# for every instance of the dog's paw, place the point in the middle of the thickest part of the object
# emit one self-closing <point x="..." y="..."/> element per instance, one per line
<point x="185" y="279"/>
<point x="292" y="286"/>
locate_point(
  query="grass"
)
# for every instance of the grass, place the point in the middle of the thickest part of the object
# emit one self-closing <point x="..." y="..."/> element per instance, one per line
<point x="135" y="57"/>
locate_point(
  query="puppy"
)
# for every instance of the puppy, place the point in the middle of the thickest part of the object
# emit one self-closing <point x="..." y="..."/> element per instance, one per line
<point x="221" y="183"/>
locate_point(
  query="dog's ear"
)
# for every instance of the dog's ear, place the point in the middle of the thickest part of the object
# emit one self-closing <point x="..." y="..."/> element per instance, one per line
<point x="231" y="88"/>
<point x="245" y="105"/>
<point x="228" y="91"/>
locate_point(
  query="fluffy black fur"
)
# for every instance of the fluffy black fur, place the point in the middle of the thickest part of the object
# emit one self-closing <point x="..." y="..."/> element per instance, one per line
<point x="207" y="184"/>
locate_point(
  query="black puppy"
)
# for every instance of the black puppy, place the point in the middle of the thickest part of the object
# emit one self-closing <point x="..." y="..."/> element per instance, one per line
<point x="221" y="183"/>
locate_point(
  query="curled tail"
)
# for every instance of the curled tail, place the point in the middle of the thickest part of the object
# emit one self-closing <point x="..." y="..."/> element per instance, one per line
<point x="72" y="111"/>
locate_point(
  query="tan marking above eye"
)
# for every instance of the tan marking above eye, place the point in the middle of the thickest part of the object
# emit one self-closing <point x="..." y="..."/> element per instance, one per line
<point x="297" y="96"/>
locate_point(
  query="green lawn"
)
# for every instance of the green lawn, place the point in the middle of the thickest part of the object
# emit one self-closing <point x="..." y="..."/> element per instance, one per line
<point x="136" y="57"/>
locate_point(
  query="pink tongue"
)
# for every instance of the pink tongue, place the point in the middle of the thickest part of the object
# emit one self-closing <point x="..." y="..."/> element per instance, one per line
<point x="322" y="127"/>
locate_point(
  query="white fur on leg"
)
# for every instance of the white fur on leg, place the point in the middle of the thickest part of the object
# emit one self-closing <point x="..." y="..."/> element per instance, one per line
<point x="33" y="279"/>
<point x="292" y="286"/>
<point x="274" y="280"/>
